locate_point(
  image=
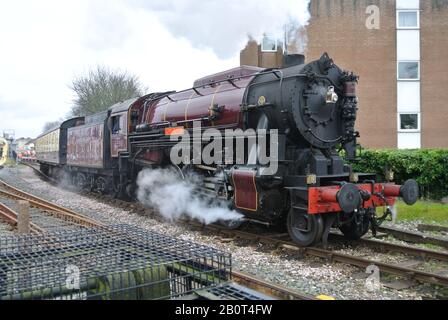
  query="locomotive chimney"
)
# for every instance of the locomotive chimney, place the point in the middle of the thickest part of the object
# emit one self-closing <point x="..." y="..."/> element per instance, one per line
<point x="290" y="60"/>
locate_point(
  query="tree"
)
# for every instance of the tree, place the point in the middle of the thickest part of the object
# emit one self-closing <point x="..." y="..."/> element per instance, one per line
<point x="51" y="124"/>
<point x="102" y="88"/>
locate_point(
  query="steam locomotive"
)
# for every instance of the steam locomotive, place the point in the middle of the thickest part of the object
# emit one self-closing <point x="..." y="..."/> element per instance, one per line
<point x="307" y="113"/>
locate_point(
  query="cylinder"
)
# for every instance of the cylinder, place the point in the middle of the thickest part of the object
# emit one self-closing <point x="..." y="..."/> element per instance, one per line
<point x="329" y="195"/>
<point x="391" y="190"/>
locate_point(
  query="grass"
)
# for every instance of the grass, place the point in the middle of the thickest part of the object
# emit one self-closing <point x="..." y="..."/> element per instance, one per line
<point x="424" y="211"/>
<point x="9" y="163"/>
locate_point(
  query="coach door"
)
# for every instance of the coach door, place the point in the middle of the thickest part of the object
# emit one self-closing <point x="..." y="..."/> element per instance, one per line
<point x="119" y="134"/>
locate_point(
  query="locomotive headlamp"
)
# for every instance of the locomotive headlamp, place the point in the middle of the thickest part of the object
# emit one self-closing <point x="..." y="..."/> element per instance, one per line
<point x="311" y="179"/>
<point x="389" y="175"/>
<point x="332" y="97"/>
<point x="354" y="177"/>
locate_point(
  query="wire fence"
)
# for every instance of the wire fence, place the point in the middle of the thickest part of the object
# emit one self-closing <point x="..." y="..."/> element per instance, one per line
<point x="119" y="262"/>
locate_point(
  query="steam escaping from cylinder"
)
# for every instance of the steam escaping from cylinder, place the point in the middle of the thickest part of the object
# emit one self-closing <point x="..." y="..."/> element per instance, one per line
<point x="394" y="211"/>
<point x="225" y="26"/>
<point x="173" y="197"/>
<point x="64" y="181"/>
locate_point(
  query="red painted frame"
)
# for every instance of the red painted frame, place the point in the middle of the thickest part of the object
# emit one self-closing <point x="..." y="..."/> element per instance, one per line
<point x="319" y="197"/>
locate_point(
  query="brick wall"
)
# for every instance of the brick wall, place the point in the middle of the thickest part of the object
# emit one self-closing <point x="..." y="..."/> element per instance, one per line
<point x="253" y="56"/>
<point x="434" y="73"/>
<point x="339" y="28"/>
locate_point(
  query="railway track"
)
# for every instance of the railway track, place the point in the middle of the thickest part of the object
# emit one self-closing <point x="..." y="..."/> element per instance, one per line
<point x="432" y="228"/>
<point x="384" y="246"/>
<point x="415" y="237"/>
<point x="36" y="169"/>
<point x="47" y="216"/>
<point x="12" y="217"/>
<point x="393" y="269"/>
<point x="271" y="289"/>
<point x="388" y="268"/>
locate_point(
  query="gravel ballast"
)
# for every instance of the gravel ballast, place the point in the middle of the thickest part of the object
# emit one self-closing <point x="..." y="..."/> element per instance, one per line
<point x="305" y="274"/>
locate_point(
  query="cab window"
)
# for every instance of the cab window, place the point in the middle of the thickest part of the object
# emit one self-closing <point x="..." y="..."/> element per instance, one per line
<point x="116" y="125"/>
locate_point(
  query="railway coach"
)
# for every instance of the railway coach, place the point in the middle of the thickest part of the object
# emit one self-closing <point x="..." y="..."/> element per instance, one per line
<point x="3" y="151"/>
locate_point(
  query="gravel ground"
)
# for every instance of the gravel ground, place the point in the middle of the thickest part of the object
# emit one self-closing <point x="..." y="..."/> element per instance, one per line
<point x="305" y="274"/>
<point x="411" y="226"/>
<point x="6" y="229"/>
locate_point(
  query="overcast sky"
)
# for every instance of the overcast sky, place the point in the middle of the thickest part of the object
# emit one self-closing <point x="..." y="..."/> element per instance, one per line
<point x="167" y="43"/>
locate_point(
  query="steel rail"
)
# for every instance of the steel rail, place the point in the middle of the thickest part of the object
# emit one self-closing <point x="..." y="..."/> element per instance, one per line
<point x="268" y="288"/>
<point x="37" y="170"/>
<point x="12" y="218"/>
<point x="419" y="275"/>
<point x="51" y="208"/>
<point x="393" y="247"/>
<point x="432" y="227"/>
<point x="259" y="285"/>
<point x="416" y="237"/>
<point x="344" y="258"/>
<point x="48" y="208"/>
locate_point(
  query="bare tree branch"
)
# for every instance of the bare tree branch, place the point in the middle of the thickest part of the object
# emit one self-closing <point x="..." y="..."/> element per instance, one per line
<point x="102" y="88"/>
<point x="51" y="124"/>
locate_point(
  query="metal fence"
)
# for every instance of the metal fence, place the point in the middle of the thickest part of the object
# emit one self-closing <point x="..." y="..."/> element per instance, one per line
<point x="110" y="263"/>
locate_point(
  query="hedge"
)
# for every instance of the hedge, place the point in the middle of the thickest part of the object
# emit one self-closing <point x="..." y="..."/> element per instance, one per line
<point x="428" y="167"/>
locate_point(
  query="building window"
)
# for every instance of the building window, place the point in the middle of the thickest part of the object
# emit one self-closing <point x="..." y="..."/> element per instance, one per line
<point x="408" y="19"/>
<point x="408" y="70"/>
<point x="409" y="122"/>
<point x="268" y="44"/>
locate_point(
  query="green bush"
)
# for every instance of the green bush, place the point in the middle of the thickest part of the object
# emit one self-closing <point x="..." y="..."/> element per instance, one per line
<point x="428" y="167"/>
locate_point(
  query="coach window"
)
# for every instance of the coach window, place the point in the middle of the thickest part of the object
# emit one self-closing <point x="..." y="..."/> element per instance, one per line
<point x="268" y="44"/>
<point x="116" y="125"/>
<point x="409" y="122"/>
<point x="408" y="70"/>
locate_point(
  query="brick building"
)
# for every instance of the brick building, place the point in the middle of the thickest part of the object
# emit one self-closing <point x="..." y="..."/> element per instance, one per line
<point x="399" y="49"/>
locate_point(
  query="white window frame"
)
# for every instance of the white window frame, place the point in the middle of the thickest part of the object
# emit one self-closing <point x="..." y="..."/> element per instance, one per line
<point x="418" y="130"/>
<point x="268" y="50"/>
<point x="405" y="79"/>
<point x="408" y="28"/>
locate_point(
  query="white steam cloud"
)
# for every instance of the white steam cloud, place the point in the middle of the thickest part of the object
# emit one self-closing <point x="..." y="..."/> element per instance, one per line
<point x="394" y="210"/>
<point x="225" y="26"/>
<point x="172" y="197"/>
